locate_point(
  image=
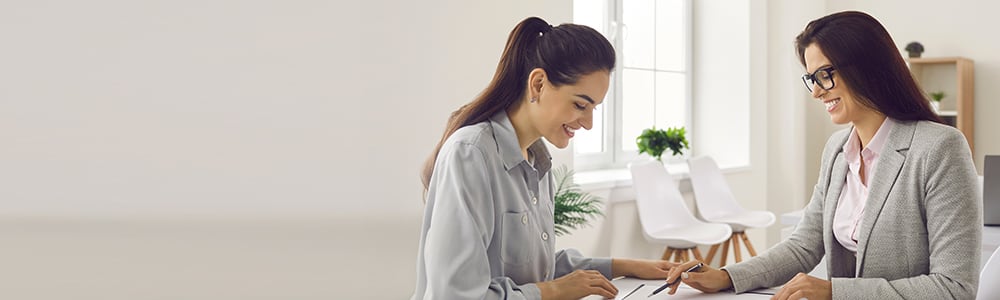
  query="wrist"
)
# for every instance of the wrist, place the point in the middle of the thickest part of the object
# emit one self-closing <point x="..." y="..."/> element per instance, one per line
<point x="546" y="290"/>
<point x="621" y="267"/>
<point x="728" y="279"/>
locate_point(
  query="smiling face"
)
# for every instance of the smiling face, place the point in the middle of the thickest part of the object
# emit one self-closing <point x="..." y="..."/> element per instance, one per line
<point x="564" y="109"/>
<point x="842" y="105"/>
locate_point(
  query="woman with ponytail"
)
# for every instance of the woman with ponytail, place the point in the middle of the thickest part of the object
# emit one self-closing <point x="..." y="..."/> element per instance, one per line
<point x="488" y="223"/>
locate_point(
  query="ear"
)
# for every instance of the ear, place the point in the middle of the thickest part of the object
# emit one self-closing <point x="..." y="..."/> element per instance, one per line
<point x="535" y="80"/>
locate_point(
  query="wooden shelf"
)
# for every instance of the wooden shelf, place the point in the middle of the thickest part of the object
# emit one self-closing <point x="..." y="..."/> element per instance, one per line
<point x="955" y="77"/>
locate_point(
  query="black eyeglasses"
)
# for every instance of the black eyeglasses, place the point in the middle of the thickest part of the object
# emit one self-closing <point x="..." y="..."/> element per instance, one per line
<point x="822" y="77"/>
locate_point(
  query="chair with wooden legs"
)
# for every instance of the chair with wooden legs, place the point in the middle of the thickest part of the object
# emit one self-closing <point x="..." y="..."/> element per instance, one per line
<point x="664" y="216"/>
<point x="716" y="204"/>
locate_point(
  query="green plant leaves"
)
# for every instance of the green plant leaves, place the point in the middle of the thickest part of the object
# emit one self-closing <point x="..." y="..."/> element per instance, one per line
<point x="654" y="141"/>
<point x="573" y="207"/>
<point x="937" y="96"/>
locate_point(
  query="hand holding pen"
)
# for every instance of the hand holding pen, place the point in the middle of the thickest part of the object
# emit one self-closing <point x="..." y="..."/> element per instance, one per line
<point x="669" y="283"/>
<point x="703" y="277"/>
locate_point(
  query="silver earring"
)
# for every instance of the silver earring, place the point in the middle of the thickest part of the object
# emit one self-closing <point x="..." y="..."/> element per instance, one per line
<point x="533" y="99"/>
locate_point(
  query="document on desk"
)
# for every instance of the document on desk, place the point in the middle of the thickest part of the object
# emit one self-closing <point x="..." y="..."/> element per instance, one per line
<point x="627" y="285"/>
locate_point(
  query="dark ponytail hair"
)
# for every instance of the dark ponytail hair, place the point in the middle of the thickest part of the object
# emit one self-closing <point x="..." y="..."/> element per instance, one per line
<point x="864" y="53"/>
<point x="565" y="52"/>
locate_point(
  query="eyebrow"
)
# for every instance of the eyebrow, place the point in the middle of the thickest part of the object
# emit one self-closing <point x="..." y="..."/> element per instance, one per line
<point x="585" y="97"/>
<point x="819" y="68"/>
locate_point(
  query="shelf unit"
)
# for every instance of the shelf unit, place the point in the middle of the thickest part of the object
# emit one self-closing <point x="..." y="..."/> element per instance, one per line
<point x="955" y="77"/>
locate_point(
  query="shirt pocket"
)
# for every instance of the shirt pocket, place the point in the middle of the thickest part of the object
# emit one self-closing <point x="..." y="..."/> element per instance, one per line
<point x="517" y="239"/>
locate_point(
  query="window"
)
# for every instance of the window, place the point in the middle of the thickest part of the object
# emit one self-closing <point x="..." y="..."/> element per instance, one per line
<point x="651" y="83"/>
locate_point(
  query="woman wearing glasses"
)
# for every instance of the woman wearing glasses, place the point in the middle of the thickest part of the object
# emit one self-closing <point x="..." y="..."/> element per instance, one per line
<point x="895" y="208"/>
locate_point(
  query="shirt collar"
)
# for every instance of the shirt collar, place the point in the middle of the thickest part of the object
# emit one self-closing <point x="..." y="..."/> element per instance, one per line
<point x="510" y="149"/>
<point x="874" y="147"/>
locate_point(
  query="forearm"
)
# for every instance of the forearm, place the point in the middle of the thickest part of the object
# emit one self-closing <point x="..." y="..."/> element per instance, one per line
<point x="620" y="267"/>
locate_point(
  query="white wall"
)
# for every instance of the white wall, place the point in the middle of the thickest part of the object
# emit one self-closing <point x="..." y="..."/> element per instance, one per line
<point x="252" y="111"/>
<point x="790" y="149"/>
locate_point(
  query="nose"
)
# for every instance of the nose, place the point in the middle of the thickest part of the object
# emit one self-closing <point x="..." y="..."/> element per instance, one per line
<point x="817" y="91"/>
<point x="587" y="121"/>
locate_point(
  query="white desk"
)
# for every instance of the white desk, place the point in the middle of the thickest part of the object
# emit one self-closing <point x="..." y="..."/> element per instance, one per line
<point x="627" y="285"/>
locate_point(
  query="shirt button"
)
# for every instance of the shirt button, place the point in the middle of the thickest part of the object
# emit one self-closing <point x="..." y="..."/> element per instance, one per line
<point x="545" y="236"/>
<point x="534" y="200"/>
<point x="524" y="219"/>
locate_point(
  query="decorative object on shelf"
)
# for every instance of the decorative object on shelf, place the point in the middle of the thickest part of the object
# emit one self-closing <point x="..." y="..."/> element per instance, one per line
<point x="957" y="76"/>
<point x="573" y="207"/>
<point x="654" y="141"/>
<point x="914" y="49"/>
<point x="936" y="100"/>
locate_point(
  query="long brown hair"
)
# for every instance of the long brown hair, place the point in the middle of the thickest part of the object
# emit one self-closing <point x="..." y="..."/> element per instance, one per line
<point x="565" y="52"/>
<point x="864" y="53"/>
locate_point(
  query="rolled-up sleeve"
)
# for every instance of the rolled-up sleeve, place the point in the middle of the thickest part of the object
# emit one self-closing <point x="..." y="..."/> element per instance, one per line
<point x="458" y="231"/>
<point x="569" y="260"/>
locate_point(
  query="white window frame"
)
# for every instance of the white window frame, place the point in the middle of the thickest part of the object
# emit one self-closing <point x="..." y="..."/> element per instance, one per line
<point x="613" y="156"/>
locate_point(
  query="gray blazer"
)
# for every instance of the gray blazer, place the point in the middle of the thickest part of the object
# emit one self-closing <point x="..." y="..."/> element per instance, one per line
<point x="920" y="235"/>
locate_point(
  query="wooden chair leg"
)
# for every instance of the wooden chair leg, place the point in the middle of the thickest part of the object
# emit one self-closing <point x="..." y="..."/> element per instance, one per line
<point x="677" y="255"/>
<point x="725" y="252"/>
<point x="711" y="253"/>
<point x="746" y="241"/>
<point x="667" y="253"/>
<point x="697" y="253"/>
<point x="736" y="247"/>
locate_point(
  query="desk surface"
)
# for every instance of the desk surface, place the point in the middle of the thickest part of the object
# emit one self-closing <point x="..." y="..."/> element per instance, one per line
<point x="627" y="285"/>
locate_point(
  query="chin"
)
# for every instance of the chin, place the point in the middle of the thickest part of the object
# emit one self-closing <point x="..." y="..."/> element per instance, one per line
<point x="838" y="119"/>
<point x="561" y="144"/>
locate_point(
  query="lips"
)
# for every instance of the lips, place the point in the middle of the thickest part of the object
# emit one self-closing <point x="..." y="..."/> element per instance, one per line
<point x="569" y="131"/>
<point x="831" y="104"/>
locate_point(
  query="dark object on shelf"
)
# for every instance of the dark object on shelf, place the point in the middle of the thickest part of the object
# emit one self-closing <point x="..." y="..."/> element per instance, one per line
<point x="914" y="49"/>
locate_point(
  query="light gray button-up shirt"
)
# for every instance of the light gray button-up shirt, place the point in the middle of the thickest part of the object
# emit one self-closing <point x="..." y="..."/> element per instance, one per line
<point x="488" y="224"/>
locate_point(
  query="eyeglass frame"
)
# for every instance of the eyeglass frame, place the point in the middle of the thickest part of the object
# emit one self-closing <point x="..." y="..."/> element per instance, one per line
<point x="806" y="78"/>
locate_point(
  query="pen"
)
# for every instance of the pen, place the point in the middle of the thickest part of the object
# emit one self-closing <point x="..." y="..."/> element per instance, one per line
<point x="666" y="285"/>
<point x="634" y="290"/>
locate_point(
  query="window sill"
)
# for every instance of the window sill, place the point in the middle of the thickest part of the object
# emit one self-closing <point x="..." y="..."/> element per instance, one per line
<point x="617" y="179"/>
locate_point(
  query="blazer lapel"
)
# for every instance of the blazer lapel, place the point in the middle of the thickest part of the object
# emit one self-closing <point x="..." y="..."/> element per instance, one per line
<point x="838" y="173"/>
<point x="883" y="178"/>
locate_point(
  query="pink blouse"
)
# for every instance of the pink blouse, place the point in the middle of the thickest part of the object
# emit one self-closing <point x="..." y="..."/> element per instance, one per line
<point x="851" y="206"/>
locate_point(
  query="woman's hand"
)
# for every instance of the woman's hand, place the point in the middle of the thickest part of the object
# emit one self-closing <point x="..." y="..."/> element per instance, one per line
<point x="803" y="286"/>
<point x="643" y="269"/>
<point x="576" y="285"/>
<point x="705" y="279"/>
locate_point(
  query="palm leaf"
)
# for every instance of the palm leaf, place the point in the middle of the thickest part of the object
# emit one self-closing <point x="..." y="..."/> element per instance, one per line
<point x="573" y="207"/>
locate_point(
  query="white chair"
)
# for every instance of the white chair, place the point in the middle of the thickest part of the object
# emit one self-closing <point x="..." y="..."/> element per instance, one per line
<point x="716" y="204"/>
<point x="988" y="288"/>
<point x="664" y="216"/>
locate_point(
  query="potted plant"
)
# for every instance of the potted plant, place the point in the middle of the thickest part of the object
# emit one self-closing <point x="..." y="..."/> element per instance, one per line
<point x="573" y="206"/>
<point x="654" y="141"/>
<point x="914" y="49"/>
<point x="936" y="100"/>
